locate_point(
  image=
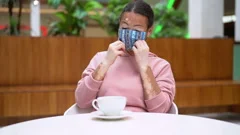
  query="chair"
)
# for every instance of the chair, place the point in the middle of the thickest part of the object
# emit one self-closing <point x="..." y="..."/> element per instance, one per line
<point x="74" y="109"/>
<point x="173" y="109"/>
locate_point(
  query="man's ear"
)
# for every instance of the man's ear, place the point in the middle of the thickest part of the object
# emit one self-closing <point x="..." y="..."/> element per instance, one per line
<point x="149" y="32"/>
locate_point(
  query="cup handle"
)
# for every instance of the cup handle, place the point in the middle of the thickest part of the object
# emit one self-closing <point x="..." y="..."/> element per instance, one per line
<point x="94" y="105"/>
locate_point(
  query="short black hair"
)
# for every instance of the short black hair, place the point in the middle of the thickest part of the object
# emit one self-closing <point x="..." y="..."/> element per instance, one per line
<point x="142" y="8"/>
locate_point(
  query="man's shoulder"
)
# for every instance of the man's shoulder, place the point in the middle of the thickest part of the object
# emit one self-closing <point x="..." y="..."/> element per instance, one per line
<point x="156" y="58"/>
<point x="156" y="61"/>
<point x="103" y="53"/>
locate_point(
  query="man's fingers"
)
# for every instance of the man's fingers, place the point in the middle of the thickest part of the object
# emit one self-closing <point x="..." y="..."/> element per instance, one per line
<point x="134" y="49"/>
<point x="120" y="53"/>
<point x="120" y="46"/>
<point x="137" y="45"/>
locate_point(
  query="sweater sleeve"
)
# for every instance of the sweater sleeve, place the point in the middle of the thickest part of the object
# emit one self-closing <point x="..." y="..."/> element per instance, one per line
<point x="165" y="80"/>
<point x="87" y="88"/>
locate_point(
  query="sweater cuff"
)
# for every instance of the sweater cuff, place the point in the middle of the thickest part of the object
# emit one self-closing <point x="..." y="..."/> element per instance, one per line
<point x="93" y="84"/>
<point x="156" y="101"/>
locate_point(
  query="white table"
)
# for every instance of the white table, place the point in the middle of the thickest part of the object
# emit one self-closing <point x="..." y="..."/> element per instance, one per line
<point x="137" y="124"/>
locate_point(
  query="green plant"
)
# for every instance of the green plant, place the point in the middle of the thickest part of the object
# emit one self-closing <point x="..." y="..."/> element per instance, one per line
<point x="112" y="15"/>
<point x="169" y="22"/>
<point x="14" y="23"/>
<point x="73" y="20"/>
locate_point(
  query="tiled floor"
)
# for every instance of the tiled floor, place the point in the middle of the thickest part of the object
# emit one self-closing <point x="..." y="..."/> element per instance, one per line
<point x="228" y="117"/>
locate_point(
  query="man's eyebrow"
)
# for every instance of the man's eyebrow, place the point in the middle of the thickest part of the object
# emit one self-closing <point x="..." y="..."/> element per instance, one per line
<point x="125" y="22"/>
<point x="137" y="25"/>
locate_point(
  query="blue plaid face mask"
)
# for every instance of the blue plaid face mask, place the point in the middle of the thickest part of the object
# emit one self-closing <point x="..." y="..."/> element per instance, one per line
<point x="129" y="37"/>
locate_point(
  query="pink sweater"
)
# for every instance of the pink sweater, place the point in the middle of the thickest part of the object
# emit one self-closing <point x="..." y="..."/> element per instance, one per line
<point x="123" y="79"/>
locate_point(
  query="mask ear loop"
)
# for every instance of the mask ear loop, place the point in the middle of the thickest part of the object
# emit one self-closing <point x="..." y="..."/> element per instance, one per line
<point x="143" y="35"/>
<point x="119" y="33"/>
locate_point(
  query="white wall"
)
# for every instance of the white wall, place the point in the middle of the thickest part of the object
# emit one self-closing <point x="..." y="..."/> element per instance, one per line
<point x="237" y="23"/>
<point x="205" y="18"/>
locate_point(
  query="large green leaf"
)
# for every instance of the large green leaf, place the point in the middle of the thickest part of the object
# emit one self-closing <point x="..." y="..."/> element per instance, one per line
<point x="75" y="16"/>
<point x="173" y="23"/>
<point x="67" y="2"/>
<point x="13" y="26"/>
<point x="97" y="18"/>
<point x="81" y="24"/>
<point x="75" y="31"/>
<point x="54" y="28"/>
<point x="69" y="5"/>
<point x="62" y="16"/>
<point x="79" y="13"/>
<point x="112" y="14"/>
<point x="54" y="3"/>
<point x="91" y="5"/>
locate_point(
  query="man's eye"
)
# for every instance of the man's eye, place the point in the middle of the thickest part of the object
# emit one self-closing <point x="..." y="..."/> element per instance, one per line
<point x="138" y="30"/>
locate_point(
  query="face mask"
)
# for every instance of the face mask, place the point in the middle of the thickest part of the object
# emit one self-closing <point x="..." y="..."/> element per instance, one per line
<point x="129" y="37"/>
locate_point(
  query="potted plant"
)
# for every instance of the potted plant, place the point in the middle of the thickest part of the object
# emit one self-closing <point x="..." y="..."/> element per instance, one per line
<point x="73" y="19"/>
<point x="112" y="13"/>
<point x="169" y="22"/>
<point x="14" y="23"/>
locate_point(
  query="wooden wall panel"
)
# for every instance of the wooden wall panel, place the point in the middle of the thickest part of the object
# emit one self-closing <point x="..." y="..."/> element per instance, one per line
<point x="17" y="104"/>
<point x="4" y="61"/>
<point x="201" y="110"/>
<point x="24" y="60"/>
<point x="64" y="101"/>
<point x="61" y="60"/>
<point x="1" y="104"/>
<point x="23" y="104"/>
<point x="29" y="61"/>
<point x="236" y="109"/>
<point x="40" y="62"/>
<point x="196" y="59"/>
<point x="38" y="75"/>
<point x="54" y="100"/>
<point x="43" y="103"/>
<point x="207" y="95"/>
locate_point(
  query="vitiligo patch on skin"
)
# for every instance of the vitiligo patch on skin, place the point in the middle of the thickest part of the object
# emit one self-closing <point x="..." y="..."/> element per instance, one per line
<point x="150" y="86"/>
<point x="99" y="74"/>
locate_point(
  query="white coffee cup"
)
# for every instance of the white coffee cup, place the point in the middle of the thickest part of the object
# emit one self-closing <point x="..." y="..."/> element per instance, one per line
<point x="110" y="105"/>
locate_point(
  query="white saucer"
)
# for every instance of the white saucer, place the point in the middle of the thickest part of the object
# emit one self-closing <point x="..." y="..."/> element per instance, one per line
<point x="100" y="115"/>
